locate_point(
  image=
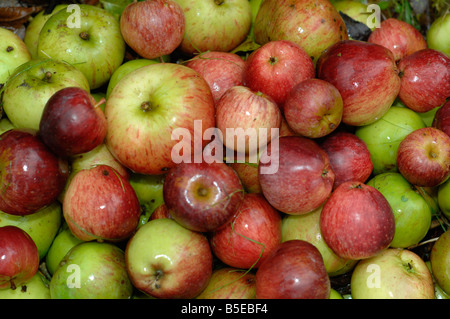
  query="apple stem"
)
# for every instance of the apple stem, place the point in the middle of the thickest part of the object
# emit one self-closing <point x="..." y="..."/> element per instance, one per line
<point x="48" y="76"/>
<point x="102" y="100"/>
<point x="84" y="35"/>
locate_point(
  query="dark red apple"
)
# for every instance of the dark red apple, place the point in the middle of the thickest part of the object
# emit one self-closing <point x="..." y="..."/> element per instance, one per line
<point x="100" y="204"/>
<point x="423" y="157"/>
<point x="202" y="196"/>
<point x="31" y="175"/>
<point x="357" y="221"/>
<point x="425" y="80"/>
<point x="349" y="157"/>
<point x="72" y="122"/>
<point x="365" y="74"/>
<point x="19" y="257"/>
<point x="252" y="234"/>
<point x="294" y="270"/>
<point x="442" y="118"/>
<point x="300" y="178"/>
<point x="275" y="67"/>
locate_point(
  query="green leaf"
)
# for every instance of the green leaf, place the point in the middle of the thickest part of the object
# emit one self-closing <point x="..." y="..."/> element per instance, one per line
<point x="115" y="7"/>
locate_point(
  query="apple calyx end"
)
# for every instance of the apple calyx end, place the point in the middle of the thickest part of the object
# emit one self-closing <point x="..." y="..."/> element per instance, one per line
<point x="84" y="35"/>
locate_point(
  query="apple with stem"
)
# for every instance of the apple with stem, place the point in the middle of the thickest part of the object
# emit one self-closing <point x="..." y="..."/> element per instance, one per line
<point x="35" y="288"/>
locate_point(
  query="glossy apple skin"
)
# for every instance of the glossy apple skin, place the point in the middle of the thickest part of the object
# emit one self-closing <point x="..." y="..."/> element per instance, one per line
<point x="366" y="76"/>
<point x="442" y="118"/>
<point x="201" y="196"/>
<point x="425" y="80"/>
<point x="357" y="221"/>
<point x="304" y="178"/>
<point x="20" y="257"/>
<point x="400" y="37"/>
<point x="294" y="270"/>
<point x="153" y="28"/>
<point x="13" y="53"/>
<point x="440" y="261"/>
<point x="423" y="157"/>
<point x="32" y="176"/>
<point x="99" y="204"/>
<point x="275" y="67"/>
<point x="349" y="157"/>
<point x="249" y="238"/>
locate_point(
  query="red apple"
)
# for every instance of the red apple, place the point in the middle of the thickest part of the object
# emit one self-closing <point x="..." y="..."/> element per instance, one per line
<point x="313" y="108"/>
<point x="31" y="176"/>
<point x="425" y="80"/>
<point x="366" y="76"/>
<point x="160" y="212"/>
<point x="357" y="221"/>
<point x="349" y="157"/>
<point x="423" y="157"/>
<point x="398" y="36"/>
<point x="249" y="238"/>
<point x="153" y="28"/>
<point x="275" y="67"/>
<point x="100" y="204"/>
<point x="201" y="196"/>
<point x="302" y="178"/>
<point x="294" y="270"/>
<point x="248" y="174"/>
<point x="441" y="118"/>
<point x="19" y="260"/>
<point x="72" y="123"/>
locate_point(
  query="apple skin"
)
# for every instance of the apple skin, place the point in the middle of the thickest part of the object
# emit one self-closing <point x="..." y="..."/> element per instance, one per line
<point x="425" y="80"/>
<point x="294" y="270"/>
<point x="443" y="198"/>
<point x="153" y="28"/>
<point x="202" y="196"/>
<point x="99" y="204"/>
<point x="354" y="9"/>
<point x="13" y="53"/>
<point x="248" y="174"/>
<point x="304" y="178"/>
<point x="275" y="67"/>
<point x="394" y="273"/>
<point x="32" y="176"/>
<point x="249" y="238"/>
<point x="441" y="118"/>
<point x="423" y="157"/>
<point x="440" y="261"/>
<point x="313" y="108"/>
<point x="437" y="38"/>
<point x="349" y="157"/>
<point x="168" y="261"/>
<point x="20" y="257"/>
<point x="160" y="212"/>
<point x="365" y="74"/>
<point x="357" y="221"/>
<point x="35" y="288"/>
<point x="398" y="36"/>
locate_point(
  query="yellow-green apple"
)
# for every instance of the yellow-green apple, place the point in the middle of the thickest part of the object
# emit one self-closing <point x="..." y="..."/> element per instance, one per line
<point x="5" y="125"/>
<point x="365" y="74"/>
<point x="13" y="53"/>
<point x="254" y="5"/>
<point x="35" y="288"/>
<point x="168" y="261"/>
<point x="437" y="34"/>
<point x="356" y="10"/>
<point x="440" y="261"/>
<point x="441" y="118"/>
<point x="443" y="197"/>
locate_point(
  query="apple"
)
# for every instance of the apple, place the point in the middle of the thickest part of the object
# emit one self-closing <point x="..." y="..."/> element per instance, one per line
<point x="438" y="292"/>
<point x="202" y="196"/>
<point x="229" y="283"/>
<point x="5" y="125"/>
<point x="357" y="10"/>
<point x="303" y="178"/>
<point x="19" y="260"/>
<point x="365" y="74"/>
<point x="440" y="261"/>
<point x="443" y="198"/>
<point x="248" y="174"/>
<point x="398" y="36"/>
<point x="214" y="25"/>
<point x="294" y="270"/>
<point x="436" y="36"/>
<point x="95" y="46"/>
<point x="160" y="212"/>
<point x="382" y="137"/>
<point x="313" y="108"/>
<point x="313" y="25"/>
<point x="334" y="294"/>
<point x="425" y="80"/>
<point x="13" y="53"/>
<point x="32" y="84"/>
<point x="441" y="118"/>
<point x="32" y="176"/>
<point x="35" y="288"/>
<point x="394" y="273"/>
<point x="357" y="221"/>
<point x="423" y="157"/>
<point x="153" y="28"/>
<point x="92" y="270"/>
<point x="411" y="211"/>
<point x="168" y="261"/>
<point x="254" y="5"/>
<point x="160" y="100"/>
<point x="349" y="156"/>
<point x="275" y="67"/>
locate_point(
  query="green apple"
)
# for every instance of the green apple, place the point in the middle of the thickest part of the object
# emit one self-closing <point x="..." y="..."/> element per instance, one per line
<point x="438" y="34"/>
<point x="438" y="292"/>
<point x="355" y="10"/>
<point x="384" y="135"/>
<point x="254" y="5"/>
<point x="411" y="211"/>
<point x="95" y="46"/>
<point x="440" y="261"/>
<point x="5" y="125"/>
<point x="394" y="273"/>
<point x="32" y="84"/>
<point x="35" y="288"/>
<point x="13" y="53"/>
<point x="42" y="226"/>
<point x="334" y="294"/>
<point x="444" y="198"/>
<point x="92" y="270"/>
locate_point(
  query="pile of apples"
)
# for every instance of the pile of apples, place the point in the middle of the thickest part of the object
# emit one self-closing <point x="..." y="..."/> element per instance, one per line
<point x="123" y="175"/>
